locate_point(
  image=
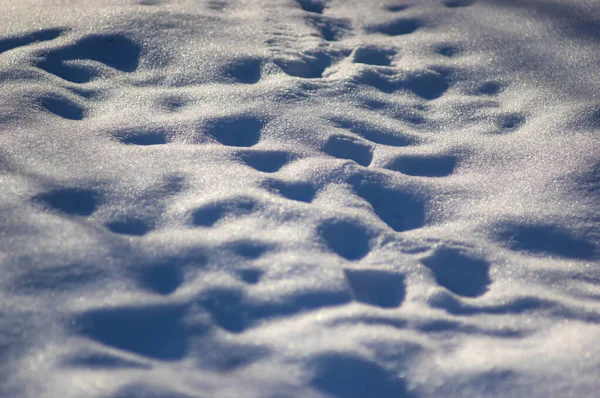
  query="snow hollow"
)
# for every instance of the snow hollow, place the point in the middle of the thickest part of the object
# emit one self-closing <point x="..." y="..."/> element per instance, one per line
<point x="299" y="198"/>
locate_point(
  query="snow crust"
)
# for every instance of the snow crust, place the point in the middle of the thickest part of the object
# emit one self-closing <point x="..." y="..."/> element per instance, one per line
<point x="299" y="198"/>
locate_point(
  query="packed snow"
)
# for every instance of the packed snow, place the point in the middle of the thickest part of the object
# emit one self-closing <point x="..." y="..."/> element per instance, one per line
<point x="299" y="198"/>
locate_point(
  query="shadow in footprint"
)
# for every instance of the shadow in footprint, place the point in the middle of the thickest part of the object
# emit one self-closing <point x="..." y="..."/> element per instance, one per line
<point x="396" y="7"/>
<point x="294" y="190"/>
<point x="131" y="227"/>
<point x="448" y="50"/>
<point x="250" y="249"/>
<point x="73" y="201"/>
<point x="265" y="161"/>
<point x="10" y="43"/>
<point x="373" y="133"/>
<point x="427" y="84"/>
<point x="155" y="332"/>
<point x="545" y="239"/>
<point x="227" y="356"/>
<point x="510" y="122"/>
<point x="490" y="88"/>
<point x="460" y="273"/>
<point x="311" y="65"/>
<point x="162" y="277"/>
<point x="173" y="103"/>
<point x="250" y="275"/>
<point x="142" y="138"/>
<point x="115" y="51"/>
<point x="235" y="313"/>
<point x="103" y="360"/>
<point x="379" y="288"/>
<point x="330" y="29"/>
<point x="397" y="27"/>
<point x="217" y="5"/>
<point x="239" y="131"/>
<point x="347" y="238"/>
<point x="343" y="147"/>
<point x="400" y="210"/>
<point x="62" y="107"/>
<point x="149" y="390"/>
<point x="383" y="80"/>
<point x="518" y="305"/>
<point x="228" y="309"/>
<point x="458" y="3"/>
<point x="424" y="166"/>
<point x="210" y="214"/>
<point x="316" y="6"/>
<point x="373" y="55"/>
<point x="245" y="70"/>
<point x="351" y="376"/>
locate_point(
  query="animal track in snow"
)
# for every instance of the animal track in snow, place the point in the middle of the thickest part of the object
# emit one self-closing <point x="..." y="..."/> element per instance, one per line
<point x="240" y="131"/>
<point x="458" y="3"/>
<point x="544" y="239"/>
<point x="147" y="390"/>
<point x="396" y="7"/>
<point x="373" y="133"/>
<point x="217" y="5"/>
<point x="250" y="249"/>
<point x="379" y="288"/>
<point x="449" y="50"/>
<point x="514" y="306"/>
<point x="510" y="122"/>
<point x="458" y="272"/>
<point x="308" y="65"/>
<point x="103" y="360"/>
<point x="62" y="107"/>
<point x="350" y="376"/>
<point x="235" y="312"/>
<point x="172" y="103"/>
<point x="490" y="88"/>
<point x="400" y="210"/>
<point x="72" y="201"/>
<point x="330" y="29"/>
<point x="162" y="277"/>
<point x="424" y="165"/>
<point x="10" y="43"/>
<point x="344" y="147"/>
<point x="115" y="51"/>
<point x="315" y="6"/>
<point x="250" y="276"/>
<point x="131" y="226"/>
<point x="407" y="114"/>
<point x="265" y="161"/>
<point x="244" y="70"/>
<point x="347" y="238"/>
<point x="142" y="138"/>
<point x="373" y="55"/>
<point x="293" y="190"/>
<point x="154" y="332"/>
<point x="427" y="84"/>
<point x="208" y="215"/>
<point x="396" y="27"/>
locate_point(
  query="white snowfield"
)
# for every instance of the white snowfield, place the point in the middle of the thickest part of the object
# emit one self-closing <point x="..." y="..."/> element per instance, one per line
<point x="299" y="198"/>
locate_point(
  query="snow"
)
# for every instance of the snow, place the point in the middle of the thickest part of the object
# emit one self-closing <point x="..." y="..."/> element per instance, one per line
<point x="299" y="198"/>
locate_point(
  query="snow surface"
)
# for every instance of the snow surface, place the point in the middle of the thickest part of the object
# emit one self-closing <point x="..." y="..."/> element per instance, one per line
<point x="299" y="198"/>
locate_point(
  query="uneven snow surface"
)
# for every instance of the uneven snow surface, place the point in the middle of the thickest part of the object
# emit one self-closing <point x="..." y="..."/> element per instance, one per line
<point x="299" y="198"/>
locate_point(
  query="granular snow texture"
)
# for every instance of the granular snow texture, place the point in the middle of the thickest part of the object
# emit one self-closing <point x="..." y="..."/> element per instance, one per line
<point x="299" y="198"/>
